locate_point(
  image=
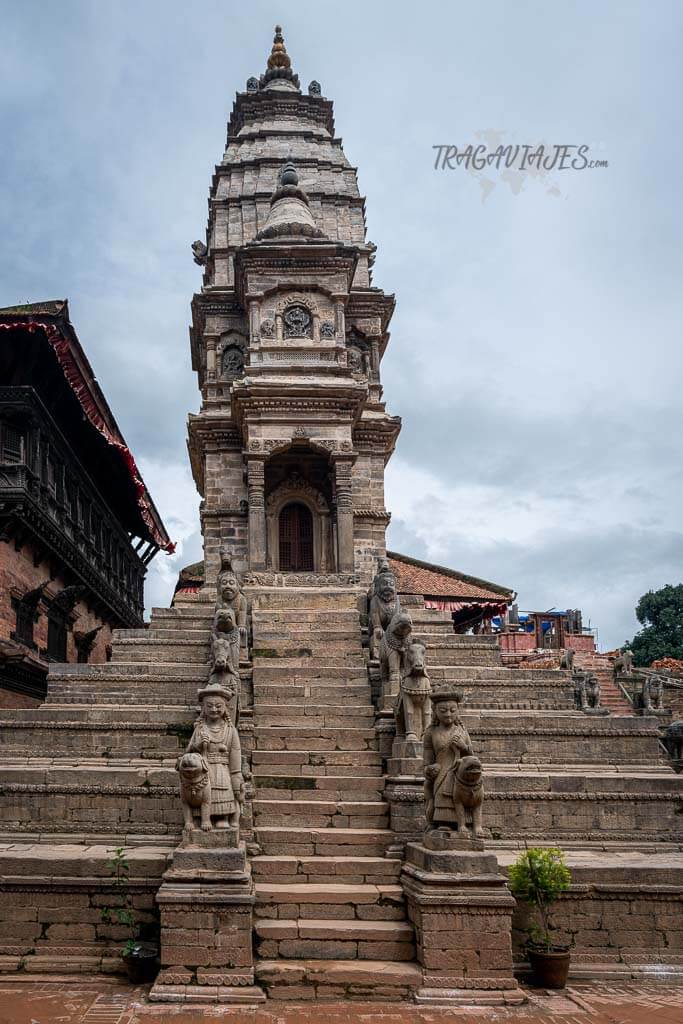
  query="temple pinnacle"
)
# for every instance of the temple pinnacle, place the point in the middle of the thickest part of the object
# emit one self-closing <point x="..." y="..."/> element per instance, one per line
<point x="279" y="58"/>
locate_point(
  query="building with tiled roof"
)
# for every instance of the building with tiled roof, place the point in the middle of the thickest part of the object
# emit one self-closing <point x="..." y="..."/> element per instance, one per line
<point x="77" y="523"/>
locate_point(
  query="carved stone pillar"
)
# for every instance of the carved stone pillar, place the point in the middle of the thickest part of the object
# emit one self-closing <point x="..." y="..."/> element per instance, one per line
<point x="342" y="468"/>
<point x="257" y="513"/>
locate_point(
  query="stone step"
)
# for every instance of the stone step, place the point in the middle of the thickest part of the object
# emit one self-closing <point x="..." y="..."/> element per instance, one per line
<point x="343" y="901"/>
<point x="304" y="636"/>
<point x="122" y="739"/>
<point x="300" y="761"/>
<point x="328" y="716"/>
<point x="335" y="939"/>
<point x="315" y="870"/>
<point x="362" y="980"/>
<point x="278" y="840"/>
<point x="267" y="670"/>
<point x="314" y="738"/>
<point x="311" y="650"/>
<point x="152" y="650"/>
<point x="287" y="601"/>
<point x="271" y="785"/>
<point x="310" y="693"/>
<point x="321" y="813"/>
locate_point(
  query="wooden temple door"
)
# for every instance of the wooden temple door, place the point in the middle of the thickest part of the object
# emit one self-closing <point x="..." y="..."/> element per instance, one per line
<point x="296" y="538"/>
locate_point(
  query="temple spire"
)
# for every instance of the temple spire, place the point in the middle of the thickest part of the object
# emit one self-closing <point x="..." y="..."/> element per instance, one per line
<point x="279" y="58"/>
<point x="279" y="74"/>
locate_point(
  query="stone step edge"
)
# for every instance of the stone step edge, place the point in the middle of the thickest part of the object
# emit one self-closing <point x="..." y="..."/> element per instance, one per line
<point x="366" y="973"/>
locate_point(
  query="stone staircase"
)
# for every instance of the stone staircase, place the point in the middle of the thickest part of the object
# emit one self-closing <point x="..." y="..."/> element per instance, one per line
<point x="611" y="696"/>
<point x="329" y="915"/>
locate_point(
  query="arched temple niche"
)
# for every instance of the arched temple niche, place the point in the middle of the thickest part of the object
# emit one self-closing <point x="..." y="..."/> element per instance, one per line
<point x="298" y="505"/>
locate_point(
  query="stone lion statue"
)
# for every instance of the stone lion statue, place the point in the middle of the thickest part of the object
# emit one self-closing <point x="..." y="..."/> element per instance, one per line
<point x="195" y="790"/>
<point x="468" y="794"/>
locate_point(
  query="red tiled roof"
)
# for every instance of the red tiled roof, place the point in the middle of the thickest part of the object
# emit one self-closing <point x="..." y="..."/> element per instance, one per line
<point x="416" y="577"/>
<point x="51" y="317"/>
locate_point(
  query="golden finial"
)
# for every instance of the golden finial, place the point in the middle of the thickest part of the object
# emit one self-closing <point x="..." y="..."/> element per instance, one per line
<point x="279" y="58"/>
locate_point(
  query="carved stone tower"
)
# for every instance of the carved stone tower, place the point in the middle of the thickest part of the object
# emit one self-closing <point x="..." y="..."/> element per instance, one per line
<point x="288" y="332"/>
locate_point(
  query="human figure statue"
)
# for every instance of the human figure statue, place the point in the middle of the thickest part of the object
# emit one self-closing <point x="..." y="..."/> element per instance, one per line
<point x="384" y="604"/>
<point x="623" y="663"/>
<point x="567" y="658"/>
<point x="229" y="594"/>
<point x="652" y="693"/>
<point x="453" y="775"/>
<point x="413" y="711"/>
<point x="216" y="740"/>
<point x="392" y="648"/>
<point x="225" y="657"/>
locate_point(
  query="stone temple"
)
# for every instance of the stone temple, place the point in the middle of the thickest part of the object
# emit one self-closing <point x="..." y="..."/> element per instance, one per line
<point x="330" y="885"/>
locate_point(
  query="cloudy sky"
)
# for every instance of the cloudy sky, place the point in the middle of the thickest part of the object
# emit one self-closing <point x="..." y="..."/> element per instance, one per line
<point x="536" y="347"/>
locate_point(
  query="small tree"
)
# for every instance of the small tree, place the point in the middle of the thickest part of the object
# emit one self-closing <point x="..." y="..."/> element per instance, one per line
<point x="660" y="612"/>
<point x="537" y="877"/>
<point x="122" y="913"/>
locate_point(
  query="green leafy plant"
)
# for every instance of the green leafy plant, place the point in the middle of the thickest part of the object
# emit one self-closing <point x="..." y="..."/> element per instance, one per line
<point x="122" y="912"/>
<point x="538" y="877"/>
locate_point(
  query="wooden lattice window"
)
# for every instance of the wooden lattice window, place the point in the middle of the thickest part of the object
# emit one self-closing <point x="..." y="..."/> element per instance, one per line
<point x="56" y="635"/>
<point x="11" y="443"/>
<point x="26" y="615"/>
<point x="296" y="538"/>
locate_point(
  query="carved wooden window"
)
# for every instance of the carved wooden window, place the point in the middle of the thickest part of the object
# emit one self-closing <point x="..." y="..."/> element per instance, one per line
<point x="298" y="322"/>
<point x="56" y="635"/>
<point x="11" y="443"/>
<point x="296" y="538"/>
<point x="26" y="614"/>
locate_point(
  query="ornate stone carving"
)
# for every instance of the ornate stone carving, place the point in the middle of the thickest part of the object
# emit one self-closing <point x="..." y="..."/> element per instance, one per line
<point x="297" y="579"/>
<point x="651" y="696"/>
<point x="216" y="740"/>
<point x="384" y="604"/>
<point x="623" y="663"/>
<point x="567" y="658"/>
<point x="199" y="253"/>
<point x="232" y="362"/>
<point x="413" y="711"/>
<point x="298" y="322"/>
<point x="355" y="360"/>
<point x="230" y="595"/>
<point x="295" y="485"/>
<point x="587" y="693"/>
<point x="300" y="431"/>
<point x="225" y="654"/>
<point x="327" y="329"/>
<point x="453" y="775"/>
<point x="252" y="84"/>
<point x="314" y="88"/>
<point x="267" y="329"/>
<point x="195" y="790"/>
<point x="392" y="648"/>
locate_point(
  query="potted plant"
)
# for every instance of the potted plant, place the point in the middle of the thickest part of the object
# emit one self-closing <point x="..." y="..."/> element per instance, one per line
<point x="537" y="877"/>
<point x="139" y="957"/>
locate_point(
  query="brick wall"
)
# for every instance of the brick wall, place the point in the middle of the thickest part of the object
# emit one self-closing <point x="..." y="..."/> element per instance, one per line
<point x="20" y="574"/>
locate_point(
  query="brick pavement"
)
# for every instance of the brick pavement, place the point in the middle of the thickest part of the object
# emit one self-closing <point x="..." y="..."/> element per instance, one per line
<point x="109" y="1002"/>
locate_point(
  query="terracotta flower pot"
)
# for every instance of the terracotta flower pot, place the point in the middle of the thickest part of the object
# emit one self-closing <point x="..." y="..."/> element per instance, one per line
<point x="550" y="967"/>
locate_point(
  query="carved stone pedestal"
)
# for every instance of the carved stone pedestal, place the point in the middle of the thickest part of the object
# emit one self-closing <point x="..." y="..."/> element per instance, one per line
<point x="404" y="792"/>
<point x="595" y="711"/>
<point x="206" y="902"/>
<point x="461" y="909"/>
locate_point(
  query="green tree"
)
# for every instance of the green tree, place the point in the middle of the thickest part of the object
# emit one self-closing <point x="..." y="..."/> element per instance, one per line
<point x="660" y="612"/>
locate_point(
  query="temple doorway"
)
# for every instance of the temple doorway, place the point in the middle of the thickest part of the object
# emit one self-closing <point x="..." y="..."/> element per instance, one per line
<point x="296" y="538"/>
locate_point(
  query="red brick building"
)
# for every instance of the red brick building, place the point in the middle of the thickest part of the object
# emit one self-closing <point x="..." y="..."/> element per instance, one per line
<point x="77" y="525"/>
